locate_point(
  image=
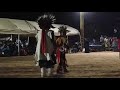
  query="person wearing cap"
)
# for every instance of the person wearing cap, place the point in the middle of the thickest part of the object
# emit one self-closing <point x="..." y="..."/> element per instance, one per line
<point x="45" y="47"/>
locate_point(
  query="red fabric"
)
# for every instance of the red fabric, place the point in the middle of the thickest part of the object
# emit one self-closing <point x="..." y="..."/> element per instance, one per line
<point x="43" y="42"/>
<point x="119" y="44"/>
<point x="58" y="55"/>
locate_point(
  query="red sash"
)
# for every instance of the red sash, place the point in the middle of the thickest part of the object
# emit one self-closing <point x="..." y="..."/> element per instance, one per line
<point x="58" y="54"/>
<point x="43" y="42"/>
<point x="119" y="44"/>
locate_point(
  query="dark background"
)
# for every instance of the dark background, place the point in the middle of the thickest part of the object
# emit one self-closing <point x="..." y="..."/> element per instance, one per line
<point x="101" y="23"/>
<point x="96" y="23"/>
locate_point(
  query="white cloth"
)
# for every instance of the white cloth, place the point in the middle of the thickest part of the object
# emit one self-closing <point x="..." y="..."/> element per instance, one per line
<point x="37" y="53"/>
<point x="49" y="34"/>
<point x="40" y="56"/>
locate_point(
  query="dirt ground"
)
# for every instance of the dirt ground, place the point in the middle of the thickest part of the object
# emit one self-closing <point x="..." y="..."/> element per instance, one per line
<point x="81" y="65"/>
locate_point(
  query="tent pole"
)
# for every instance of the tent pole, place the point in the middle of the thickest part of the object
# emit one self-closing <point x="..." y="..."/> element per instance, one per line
<point x="82" y="29"/>
<point x="28" y="39"/>
<point x="18" y="45"/>
<point x="80" y="41"/>
<point x="11" y="37"/>
<point x="68" y="44"/>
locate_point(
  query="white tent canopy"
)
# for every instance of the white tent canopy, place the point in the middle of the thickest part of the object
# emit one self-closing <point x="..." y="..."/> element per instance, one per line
<point x="72" y="30"/>
<point x="15" y="26"/>
<point x="23" y="27"/>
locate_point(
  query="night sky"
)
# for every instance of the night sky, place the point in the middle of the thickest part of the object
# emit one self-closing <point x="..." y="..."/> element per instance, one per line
<point x="99" y="22"/>
<point x="69" y="18"/>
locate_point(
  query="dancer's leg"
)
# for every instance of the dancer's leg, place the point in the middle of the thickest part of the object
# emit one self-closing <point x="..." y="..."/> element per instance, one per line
<point x="43" y="72"/>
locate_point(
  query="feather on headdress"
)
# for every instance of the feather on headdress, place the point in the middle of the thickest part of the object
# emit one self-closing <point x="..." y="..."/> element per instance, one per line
<point x="45" y="21"/>
<point x="63" y="30"/>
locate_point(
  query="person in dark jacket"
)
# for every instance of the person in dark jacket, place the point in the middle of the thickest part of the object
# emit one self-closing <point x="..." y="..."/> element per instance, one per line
<point x="86" y="45"/>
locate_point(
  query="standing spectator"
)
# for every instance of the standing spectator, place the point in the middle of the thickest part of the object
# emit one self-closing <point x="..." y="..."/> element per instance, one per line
<point x="86" y="46"/>
<point x="106" y="42"/>
<point x="101" y="39"/>
<point x="114" y="43"/>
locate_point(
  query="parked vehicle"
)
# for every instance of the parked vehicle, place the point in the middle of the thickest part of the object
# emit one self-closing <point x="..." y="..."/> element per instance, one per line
<point x="94" y="47"/>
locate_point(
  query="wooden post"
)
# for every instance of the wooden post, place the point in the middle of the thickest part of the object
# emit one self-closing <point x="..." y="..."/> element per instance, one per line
<point x="82" y="29"/>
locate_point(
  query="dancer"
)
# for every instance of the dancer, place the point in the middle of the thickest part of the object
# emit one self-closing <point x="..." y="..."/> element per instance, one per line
<point x="60" y="54"/>
<point x="45" y="47"/>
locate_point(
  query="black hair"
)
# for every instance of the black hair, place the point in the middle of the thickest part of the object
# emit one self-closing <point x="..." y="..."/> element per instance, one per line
<point x="46" y="21"/>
